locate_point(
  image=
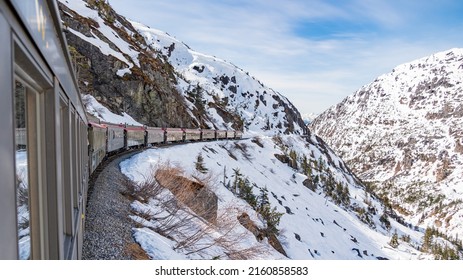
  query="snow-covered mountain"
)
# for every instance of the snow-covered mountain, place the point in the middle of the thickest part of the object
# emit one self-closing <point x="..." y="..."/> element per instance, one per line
<point x="403" y="132"/>
<point x="326" y="213"/>
<point x="293" y="196"/>
<point x="158" y="80"/>
<point x="308" y="117"/>
<point x="260" y="107"/>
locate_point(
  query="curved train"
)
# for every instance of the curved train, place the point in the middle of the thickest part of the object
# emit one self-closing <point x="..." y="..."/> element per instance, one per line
<point x="108" y="138"/>
<point x="48" y="147"/>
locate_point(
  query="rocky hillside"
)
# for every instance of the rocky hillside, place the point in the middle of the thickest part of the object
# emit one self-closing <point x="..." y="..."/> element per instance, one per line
<point x="403" y="132"/>
<point x="159" y="81"/>
<point x="285" y="197"/>
<point x="136" y="71"/>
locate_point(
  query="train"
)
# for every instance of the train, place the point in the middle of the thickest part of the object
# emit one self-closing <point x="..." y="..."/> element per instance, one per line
<point x="48" y="146"/>
<point x="108" y="138"/>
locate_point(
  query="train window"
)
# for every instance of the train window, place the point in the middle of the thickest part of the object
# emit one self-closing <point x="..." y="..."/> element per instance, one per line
<point x="67" y="167"/>
<point x="22" y="170"/>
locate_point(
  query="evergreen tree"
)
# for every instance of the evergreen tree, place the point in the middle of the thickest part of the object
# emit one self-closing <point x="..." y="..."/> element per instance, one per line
<point x="272" y="218"/>
<point x="198" y="98"/>
<point x="321" y="164"/>
<point x="394" y="240"/>
<point x="237" y="175"/>
<point x="293" y="157"/>
<point x="346" y="196"/>
<point x="385" y="221"/>
<point x="262" y="199"/>
<point x="199" y="164"/>
<point x="427" y="240"/>
<point x="245" y="192"/>
<point x="305" y="166"/>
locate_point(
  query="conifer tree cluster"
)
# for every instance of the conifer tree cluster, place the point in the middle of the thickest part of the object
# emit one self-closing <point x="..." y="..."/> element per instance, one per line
<point x="441" y="252"/>
<point x="337" y="191"/>
<point x="243" y="189"/>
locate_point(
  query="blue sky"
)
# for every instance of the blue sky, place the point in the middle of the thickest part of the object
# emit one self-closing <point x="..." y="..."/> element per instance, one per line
<point x="315" y="52"/>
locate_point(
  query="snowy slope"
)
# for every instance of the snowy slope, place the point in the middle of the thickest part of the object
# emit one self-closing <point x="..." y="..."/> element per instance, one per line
<point x="94" y="108"/>
<point x="327" y="212"/>
<point x="309" y="117"/>
<point x="404" y="132"/>
<point x="312" y="226"/>
<point x="213" y="92"/>
<point x="261" y="108"/>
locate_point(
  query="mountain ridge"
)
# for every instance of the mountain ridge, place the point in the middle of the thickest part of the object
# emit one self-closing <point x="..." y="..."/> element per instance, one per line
<point x="403" y="133"/>
<point x="160" y="81"/>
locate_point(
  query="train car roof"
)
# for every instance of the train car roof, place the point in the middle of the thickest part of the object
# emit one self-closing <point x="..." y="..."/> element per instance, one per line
<point x="51" y="42"/>
<point x="134" y="127"/>
<point x="97" y="125"/>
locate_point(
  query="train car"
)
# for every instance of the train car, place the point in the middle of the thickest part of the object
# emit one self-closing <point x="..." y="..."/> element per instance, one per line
<point x="115" y="138"/>
<point x="238" y="134"/>
<point x="134" y="136"/>
<point x="208" y="134"/>
<point x="230" y="134"/>
<point x="44" y="141"/>
<point x="97" y="144"/>
<point x="155" y="135"/>
<point x="174" y="135"/>
<point x="192" y="134"/>
<point x="221" y="134"/>
<point x="49" y="148"/>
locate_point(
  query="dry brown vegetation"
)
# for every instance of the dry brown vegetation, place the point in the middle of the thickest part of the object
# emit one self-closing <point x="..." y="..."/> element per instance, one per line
<point x="188" y="214"/>
<point x="136" y="252"/>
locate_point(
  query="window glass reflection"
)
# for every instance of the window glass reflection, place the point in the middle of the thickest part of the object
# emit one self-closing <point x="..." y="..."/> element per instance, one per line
<point x="22" y="178"/>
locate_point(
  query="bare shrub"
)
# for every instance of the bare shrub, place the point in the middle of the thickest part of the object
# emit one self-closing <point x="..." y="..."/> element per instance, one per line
<point x="257" y="141"/>
<point x="229" y="151"/>
<point x="23" y="191"/>
<point x="248" y="253"/>
<point x="136" y="252"/>
<point x="204" y="236"/>
<point x="142" y="191"/>
<point x="244" y="150"/>
<point x="187" y="213"/>
<point x="192" y="192"/>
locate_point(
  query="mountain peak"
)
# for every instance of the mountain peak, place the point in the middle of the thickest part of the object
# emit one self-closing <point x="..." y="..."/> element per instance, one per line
<point x="403" y="133"/>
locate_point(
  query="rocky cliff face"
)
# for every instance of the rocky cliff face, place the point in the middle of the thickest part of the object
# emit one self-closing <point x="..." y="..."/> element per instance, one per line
<point x="115" y="66"/>
<point x="403" y="132"/>
<point x="159" y="81"/>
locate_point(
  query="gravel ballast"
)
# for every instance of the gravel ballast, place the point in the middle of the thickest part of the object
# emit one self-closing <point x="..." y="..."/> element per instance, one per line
<point x="108" y="228"/>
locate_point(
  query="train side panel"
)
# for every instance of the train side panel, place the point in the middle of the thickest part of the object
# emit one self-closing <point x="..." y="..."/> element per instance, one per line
<point x="135" y="136"/>
<point x="97" y="144"/>
<point x="230" y="134"/>
<point x="115" y="138"/>
<point x="221" y="134"/>
<point x="155" y="135"/>
<point x="174" y="135"/>
<point x="192" y="134"/>
<point x="208" y="134"/>
<point x="238" y="134"/>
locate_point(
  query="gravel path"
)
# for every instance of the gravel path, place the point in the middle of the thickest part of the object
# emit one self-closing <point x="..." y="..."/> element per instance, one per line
<point x="107" y="223"/>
